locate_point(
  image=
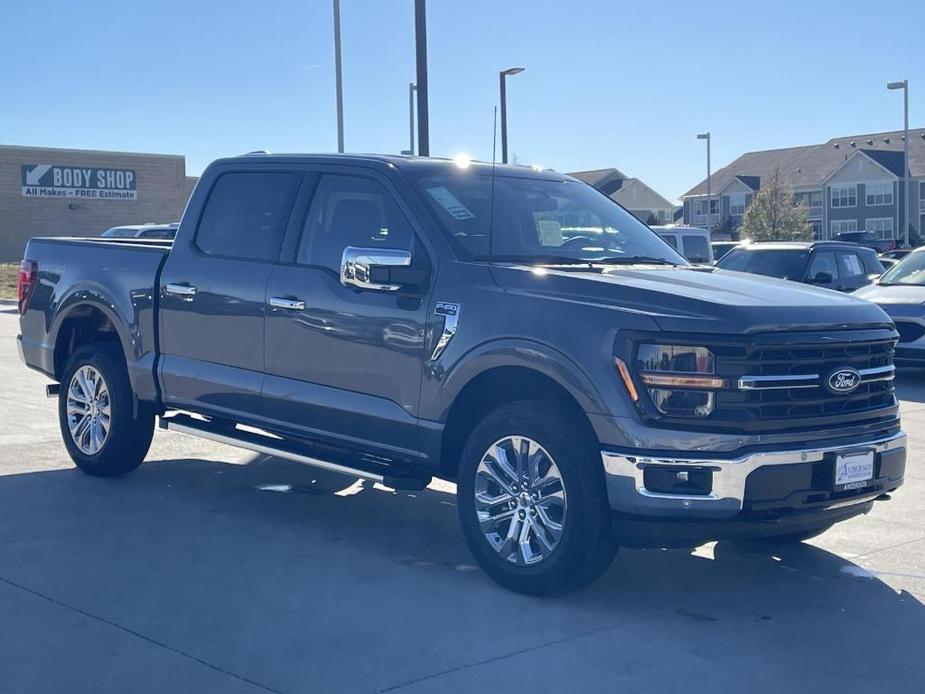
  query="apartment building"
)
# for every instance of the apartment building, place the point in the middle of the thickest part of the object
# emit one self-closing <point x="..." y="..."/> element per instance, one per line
<point x="848" y="184"/>
<point x="640" y="199"/>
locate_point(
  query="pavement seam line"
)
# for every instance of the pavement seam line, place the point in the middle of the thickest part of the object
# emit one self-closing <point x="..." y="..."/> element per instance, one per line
<point x="497" y="658"/>
<point x="137" y="634"/>
<point x="884" y="549"/>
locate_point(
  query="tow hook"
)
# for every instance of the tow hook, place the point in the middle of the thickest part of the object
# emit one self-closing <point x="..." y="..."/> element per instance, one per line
<point x="52" y="390"/>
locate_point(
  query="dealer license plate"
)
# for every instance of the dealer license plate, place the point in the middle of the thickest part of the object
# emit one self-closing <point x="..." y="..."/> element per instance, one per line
<point x="853" y="470"/>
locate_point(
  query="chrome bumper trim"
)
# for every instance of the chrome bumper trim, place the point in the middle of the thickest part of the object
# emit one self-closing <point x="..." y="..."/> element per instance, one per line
<point x="729" y="475"/>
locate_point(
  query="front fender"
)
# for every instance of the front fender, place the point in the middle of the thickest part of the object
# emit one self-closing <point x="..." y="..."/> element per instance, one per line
<point x="528" y="354"/>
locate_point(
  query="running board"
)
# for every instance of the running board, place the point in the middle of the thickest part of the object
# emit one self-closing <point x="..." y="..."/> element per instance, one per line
<point x="281" y="448"/>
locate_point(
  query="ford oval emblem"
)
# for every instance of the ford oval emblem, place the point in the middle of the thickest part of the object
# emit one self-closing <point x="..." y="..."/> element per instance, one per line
<point x="844" y="381"/>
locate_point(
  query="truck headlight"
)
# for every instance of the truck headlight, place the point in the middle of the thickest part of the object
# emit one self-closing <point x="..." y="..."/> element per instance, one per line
<point x="680" y="379"/>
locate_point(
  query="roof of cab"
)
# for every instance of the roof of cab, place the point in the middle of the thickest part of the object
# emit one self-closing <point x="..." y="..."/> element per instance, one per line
<point x="404" y="163"/>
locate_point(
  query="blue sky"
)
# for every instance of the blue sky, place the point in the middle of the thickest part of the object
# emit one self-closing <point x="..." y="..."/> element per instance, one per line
<point x="607" y="83"/>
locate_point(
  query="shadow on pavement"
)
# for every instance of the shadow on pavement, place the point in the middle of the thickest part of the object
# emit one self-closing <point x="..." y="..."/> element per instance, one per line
<point x="300" y="579"/>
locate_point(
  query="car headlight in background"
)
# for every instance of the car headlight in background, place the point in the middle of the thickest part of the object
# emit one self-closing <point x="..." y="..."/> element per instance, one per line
<point x="680" y="379"/>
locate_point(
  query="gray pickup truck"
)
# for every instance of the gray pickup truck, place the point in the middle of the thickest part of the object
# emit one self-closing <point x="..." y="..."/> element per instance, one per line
<point x="513" y="330"/>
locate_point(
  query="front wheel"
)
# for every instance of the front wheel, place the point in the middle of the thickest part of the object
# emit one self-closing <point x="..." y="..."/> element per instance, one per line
<point x="104" y="432"/>
<point x="532" y="501"/>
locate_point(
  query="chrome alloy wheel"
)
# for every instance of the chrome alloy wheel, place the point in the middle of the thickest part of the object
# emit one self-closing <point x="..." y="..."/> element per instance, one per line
<point x="520" y="500"/>
<point x="88" y="410"/>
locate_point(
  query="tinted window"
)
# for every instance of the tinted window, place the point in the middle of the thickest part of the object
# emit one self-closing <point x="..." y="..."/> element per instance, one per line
<point x="910" y="270"/>
<point x="871" y="261"/>
<point x="246" y="215"/>
<point x="351" y="211"/>
<point x="787" y="264"/>
<point x="119" y="233"/>
<point x="670" y="240"/>
<point x="158" y="233"/>
<point x="696" y="249"/>
<point x="823" y="263"/>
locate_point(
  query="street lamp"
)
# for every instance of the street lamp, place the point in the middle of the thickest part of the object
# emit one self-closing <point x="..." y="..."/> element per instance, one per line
<point x="420" y="50"/>
<point x="502" y="76"/>
<point x="706" y="136"/>
<point x="904" y="85"/>
<point x="337" y="78"/>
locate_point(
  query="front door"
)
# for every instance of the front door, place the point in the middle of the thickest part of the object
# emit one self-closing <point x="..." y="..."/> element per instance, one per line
<point x="345" y="364"/>
<point x="213" y="294"/>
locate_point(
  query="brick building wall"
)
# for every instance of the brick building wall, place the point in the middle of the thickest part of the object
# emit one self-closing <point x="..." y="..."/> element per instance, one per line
<point x="161" y="189"/>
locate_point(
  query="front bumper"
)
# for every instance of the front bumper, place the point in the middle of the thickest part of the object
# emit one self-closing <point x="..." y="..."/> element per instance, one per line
<point x="785" y="481"/>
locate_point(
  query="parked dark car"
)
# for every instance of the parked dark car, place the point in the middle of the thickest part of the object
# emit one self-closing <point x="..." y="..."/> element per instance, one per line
<point x="721" y="248"/>
<point x="142" y="231"/>
<point x="901" y="293"/>
<point x="866" y="238"/>
<point x="896" y="253"/>
<point x="828" y="264"/>
<point x="513" y="330"/>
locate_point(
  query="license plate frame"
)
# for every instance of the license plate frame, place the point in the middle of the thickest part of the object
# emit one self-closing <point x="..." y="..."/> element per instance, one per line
<point x="854" y="470"/>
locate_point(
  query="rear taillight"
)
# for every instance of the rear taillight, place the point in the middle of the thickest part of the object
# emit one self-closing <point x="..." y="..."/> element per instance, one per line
<point x="28" y="278"/>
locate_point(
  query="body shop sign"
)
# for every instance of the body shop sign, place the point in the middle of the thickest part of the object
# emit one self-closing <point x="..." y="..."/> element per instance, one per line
<point x="52" y="181"/>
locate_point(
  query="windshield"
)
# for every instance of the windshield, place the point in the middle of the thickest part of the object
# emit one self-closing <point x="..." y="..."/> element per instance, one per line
<point x="537" y="219"/>
<point x="784" y="263"/>
<point x="910" y="270"/>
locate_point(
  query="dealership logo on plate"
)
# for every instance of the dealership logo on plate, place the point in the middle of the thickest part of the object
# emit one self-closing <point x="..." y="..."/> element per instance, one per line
<point x="844" y="381"/>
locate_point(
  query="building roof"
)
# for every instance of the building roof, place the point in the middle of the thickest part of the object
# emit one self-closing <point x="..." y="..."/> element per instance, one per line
<point x="808" y="166"/>
<point x="594" y="176"/>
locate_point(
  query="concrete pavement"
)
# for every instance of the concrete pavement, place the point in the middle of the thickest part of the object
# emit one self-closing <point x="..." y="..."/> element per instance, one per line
<point x="210" y="569"/>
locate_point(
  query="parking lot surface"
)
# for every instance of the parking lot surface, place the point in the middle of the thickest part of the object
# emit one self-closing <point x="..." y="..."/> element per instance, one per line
<point x="210" y="569"/>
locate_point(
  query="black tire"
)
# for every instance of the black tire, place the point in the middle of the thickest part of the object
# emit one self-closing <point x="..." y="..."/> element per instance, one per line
<point x="131" y="429"/>
<point x="586" y="546"/>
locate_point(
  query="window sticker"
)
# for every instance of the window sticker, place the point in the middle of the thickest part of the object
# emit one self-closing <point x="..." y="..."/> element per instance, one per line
<point x="450" y="203"/>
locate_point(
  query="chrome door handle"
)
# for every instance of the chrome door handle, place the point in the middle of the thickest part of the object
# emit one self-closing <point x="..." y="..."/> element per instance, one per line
<point x="287" y="304"/>
<point x="187" y="291"/>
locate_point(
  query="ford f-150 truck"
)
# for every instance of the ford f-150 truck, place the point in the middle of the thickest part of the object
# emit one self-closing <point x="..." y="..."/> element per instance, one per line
<point x="510" y="329"/>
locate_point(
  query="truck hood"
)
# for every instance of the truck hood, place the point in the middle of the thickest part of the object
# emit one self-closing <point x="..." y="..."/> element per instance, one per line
<point x="698" y="299"/>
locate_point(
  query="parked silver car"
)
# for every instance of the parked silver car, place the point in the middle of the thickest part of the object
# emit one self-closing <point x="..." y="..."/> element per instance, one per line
<point x="901" y="293"/>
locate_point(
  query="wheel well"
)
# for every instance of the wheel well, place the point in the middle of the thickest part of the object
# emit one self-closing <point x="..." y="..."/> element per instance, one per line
<point x="82" y="326"/>
<point x="489" y="390"/>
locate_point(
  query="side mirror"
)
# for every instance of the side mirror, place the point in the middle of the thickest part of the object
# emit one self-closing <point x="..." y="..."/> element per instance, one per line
<point x="822" y="278"/>
<point x="370" y="268"/>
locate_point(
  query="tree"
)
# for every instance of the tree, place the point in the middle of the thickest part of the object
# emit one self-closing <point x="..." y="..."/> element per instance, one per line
<point x="774" y="216"/>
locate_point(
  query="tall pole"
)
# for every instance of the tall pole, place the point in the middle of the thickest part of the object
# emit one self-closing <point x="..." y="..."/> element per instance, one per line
<point x="420" y="40"/>
<point x="503" y="119"/>
<point x="904" y="85"/>
<point x="411" y="90"/>
<point x="906" y="161"/>
<point x="706" y="136"/>
<point x="338" y="78"/>
<point x="502" y="76"/>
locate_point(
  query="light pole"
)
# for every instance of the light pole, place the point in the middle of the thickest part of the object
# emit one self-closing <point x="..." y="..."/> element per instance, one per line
<point x="706" y="136"/>
<point x="411" y="90"/>
<point x="337" y="78"/>
<point x="904" y="85"/>
<point x="502" y="76"/>
<point x="420" y="42"/>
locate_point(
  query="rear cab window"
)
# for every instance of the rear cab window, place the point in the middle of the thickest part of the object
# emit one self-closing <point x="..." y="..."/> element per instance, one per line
<point x="246" y="214"/>
<point x="696" y="248"/>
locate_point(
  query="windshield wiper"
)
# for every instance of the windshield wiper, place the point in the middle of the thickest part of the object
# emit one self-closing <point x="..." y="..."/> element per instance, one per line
<point x="631" y="260"/>
<point x="539" y="259"/>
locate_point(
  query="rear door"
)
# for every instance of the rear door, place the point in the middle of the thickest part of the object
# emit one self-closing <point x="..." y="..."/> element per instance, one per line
<point x="213" y="290"/>
<point x="343" y="363"/>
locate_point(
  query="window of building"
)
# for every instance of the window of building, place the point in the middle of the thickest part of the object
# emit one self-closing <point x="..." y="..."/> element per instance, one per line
<point x="351" y="211"/>
<point x="817" y="230"/>
<point x="844" y="196"/>
<point x="841" y="225"/>
<point x="815" y="199"/>
<point x="737" y="203"/>
<point x="246" y="215"/>
<point x="882" y="226"/>
<point x="879" y="193"/>
<point x="700" y="206"/>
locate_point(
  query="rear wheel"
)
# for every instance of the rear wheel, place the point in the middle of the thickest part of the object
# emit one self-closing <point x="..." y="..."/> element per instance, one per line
<point x="532" y="501"/>
<point x="104" y="432"/>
